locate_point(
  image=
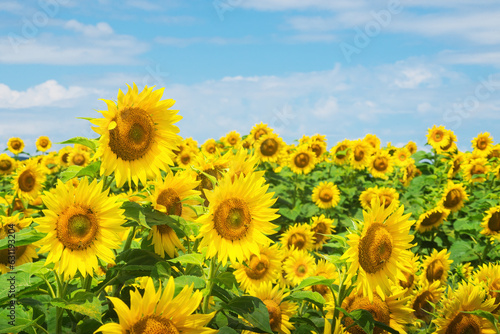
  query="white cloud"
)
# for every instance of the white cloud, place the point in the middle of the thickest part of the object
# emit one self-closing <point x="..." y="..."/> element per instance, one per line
<point x="470" y="58"/>
<point x="99" y="30"/>
<point x="183" y="42"/>
<point x="326" y="108"/>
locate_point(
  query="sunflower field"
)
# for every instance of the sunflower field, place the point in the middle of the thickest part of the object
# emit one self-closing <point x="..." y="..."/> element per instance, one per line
<point x="142" y="231"/>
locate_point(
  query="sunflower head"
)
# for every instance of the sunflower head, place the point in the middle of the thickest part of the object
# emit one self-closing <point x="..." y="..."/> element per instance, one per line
<point x="326" y="195"/>
<point x="381" y="164"/>
<point x="360" y="153"/>
<point x="483" y="143"/>
<point x="268" y="147"/>
<point x="373" y="140"/>
<point x="321" y="226"/>
<point x="454" y="197"/>
<point x="259" y="269"/>
<point x="43" y="144"/>
<point x="432" y="219"/>
<point x="28" y="181"/>
<point x="258" y="131"/>
<point x="7" y="164"/>
<point x="341" y="152"/>
<point x="298" y="236"/>
<point x="15" y="145"/>
<point x="436" y="266"/>
<point x="303" y="160"/>
<point x="491" y="223"/>
<point x="23" y="254"/>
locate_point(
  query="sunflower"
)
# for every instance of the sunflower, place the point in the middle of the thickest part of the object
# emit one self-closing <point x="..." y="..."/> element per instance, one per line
<point x="456" y="164"/>
<point x="437" y="136"/>
<point x="268" y="147"/>
<point x="298" y="266"/>
<point x="483" y="144"/>
<point x="410" y="275"/>
<point x="360" y="153"/>
<point x="387" y="196"/>
<point x="63" y="155"/>
<point x="326" y="195"/>
<point x="381" y="164"/>
<point x="210" y="169"/>
<point x="410" y="172"/>
<point x="476" y="169"/>
<point x="280" y="311"/>
<point x="15" y="145"/>
<point x="186" y="158"/>
<point x="321" y="226"/>
<point x="489" y="274"/>
<point x="209" y="147"/>
<point x="43" y="144"/>
<point x="367" y="196"/>
<point x="28" y="180"/>
<point x="302" y="161"/>
<point x="491" y="223"/>
<point x="191" y="143"/>
<point x="327" y="270"/>
<point x="436" y="266"/>
<point x="379" y="253"/>
<point x="464" y="270"/>
<point x="82" y="225"/>
<point x="22" y="254"/>
<point x="454" y="197"/>
<point x="7" y="164"/>
<point x="259" y="130"/>
<point x="373" y="140"/>
<point x="401" y="157"/>
<point x="239" y="218"/>
<point x="467" y="297"/>
<point x="137" y="135"/>
<point x="241" y="162"/>
<point x="160" y="312"/>
<point x="432" y="219"/>
<point x="341" y="152"/>
<point x="298" y="236"/>
<point x="50" y="163"/>
<point x="412" y="147"/>
<point x="175" y="195"/>
<point x="389" y="310"/>
<point x="15" y="204"/>
<point x="319" y="148"/>
<point x="422" y="299"/>
<point x="232" y="139"/>
<point x="78" y="158"/>
<point x="259" y="270"/>
<point x="495" y="152"/>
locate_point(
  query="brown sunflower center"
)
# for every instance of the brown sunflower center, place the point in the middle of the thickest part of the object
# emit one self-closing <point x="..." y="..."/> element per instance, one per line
<point x="448" y="144"/>
<point x="153" y="324"/>
<point x="325" y="195"/>
<point x="269" y="147"/>
<point x="421" y="305"/>
<point x="402" y="157"/>
<point x="381" y="164"/>
<point x="77" y="227"/>
<point x="320" y="288"/>
<point x="5" y="165"/>
<point x="494" y="222"/>
<point x="232" y="219"/>
<point x="274" y="314"/>
<point x="375" y="248"/>
<point x="408" y="283"/>
<point x="319" y="230"/>
<point x="43" y="142"/>
<point x="316" y="148"/>
<point x="133" y="134"/>
<point x="338" y="154"/>
<point x="359" y="154"/>
<point x="438" y="136"/>
<point x="232" y="140"/>
<point x="379" y="310"/>
<point x="16" y="144"/>
<point x="453" y="198"/>
<point x="297" y="240"/>
<point x="386" y="199"/>
<point x="259" y="133"/>
<point x="4" y="254"/>
<point x="301" y="160"/>
<point x="301" y="270"/>
<point x="171" y="201"/>
<point x="78" y="159"/>
<point x="211" y="148"/>
<point x="186" y="158"/>
<point x="482" y="143"/>
<point x="257" y="268"/>
<point x="477" y="169"/>
<point x="464" y="323"/>
<point x="432" y="219"/>
<point x="435" y="271"/>
<point x="27" y="181"/>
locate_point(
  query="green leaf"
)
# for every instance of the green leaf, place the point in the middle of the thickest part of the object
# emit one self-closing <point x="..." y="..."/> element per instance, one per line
<point x="187" y="280"/>
<point x="461" y="251"/>
<point x="227" y="279"/>
<point x="69" y="173"/>
<point x="90" y="143"/>
<point x="91" y="309"/>
<point x="227" y="330"/>
<point x="364" y="319"/>
<point x="311" y="296"/>
<point x="26" y="236"/>
<point x="22" y="283"/>
<point x="18" y="328"/>
<point x="197" y="259"/>
<point x="251" y="309"/>
<point x="134" y="212"/>
<point x="313" y="281"/>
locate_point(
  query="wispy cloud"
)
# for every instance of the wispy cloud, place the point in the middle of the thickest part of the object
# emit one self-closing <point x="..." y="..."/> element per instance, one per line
<point x="183" y="42"/>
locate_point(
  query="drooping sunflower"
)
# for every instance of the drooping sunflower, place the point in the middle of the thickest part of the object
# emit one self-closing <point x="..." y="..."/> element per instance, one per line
<point x="340" y="153"/>
<point x="259" y="130"/>
<point x="298" y="266"/>
<point x="302" y="161"/>
<point x="280" y="311"/>
<point x="381" y="164"/>
<point x="210" y="169"/>
<point x="63" y="155"/>
<point x="258" y="270"/>
<point x="390" y="310"/>
<point x="467" y="297"/>
<point x="456" y="164"/>
<point x="476" y="169"/>
<point x="495" y="152"/>
<point x="15" y="145"/>
<point x="422" y="299"/>
<point x="43" y="144"/>
<point x="449" y="145"/>
<point x="321" y="226"/>
<point x="432" y="219"/>
<point x="360" y="153"/>
<point x="268" y="147"/>
<point x="483" y="143"/>
<point x="78" y="158"/>
<point x="410" y="275"/>
<point x="489" y="274"/>
<point x="28" y="180"/>
<point x="319" y="148"/>
<point x="239" y="218"/>
<point x="491" y="223"/>
<point x="412" y="147"/>
<point x="7" y="164"/>
<point x="373" y="140"/>
<point x="380" y="252"/>
<point x="137" y="135"/>
<point x="435" y="266"/>
<point x="175" y="195"/>
<point x="409" y="172"/>
<point x="298" y="236"/>
<point x="160" y="312"/>
<point x="209" y="147"/>
<point x="82" y="224"/>
<point x="326" y="195"/>
<point x="464" y="270"/>
<point x="454" y="197"/>
<point x="22" y="254"/>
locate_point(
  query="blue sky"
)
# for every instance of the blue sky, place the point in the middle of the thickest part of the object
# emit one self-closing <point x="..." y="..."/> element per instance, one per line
<point x="340" y="68"/>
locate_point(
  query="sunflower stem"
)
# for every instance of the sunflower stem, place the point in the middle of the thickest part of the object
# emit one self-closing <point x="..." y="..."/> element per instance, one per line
<point x="485" y="252"/>
<point x="130" y="236"/>
<point x="211" y="275"/>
